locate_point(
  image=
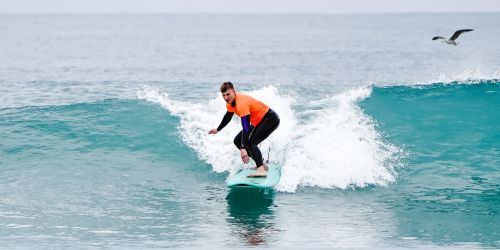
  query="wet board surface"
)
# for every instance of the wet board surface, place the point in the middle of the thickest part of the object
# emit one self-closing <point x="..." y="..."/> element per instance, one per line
<point x="240" y="180"/>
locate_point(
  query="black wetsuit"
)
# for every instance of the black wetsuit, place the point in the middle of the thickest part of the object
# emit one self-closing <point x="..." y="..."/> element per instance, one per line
<point x="250" y="137"/>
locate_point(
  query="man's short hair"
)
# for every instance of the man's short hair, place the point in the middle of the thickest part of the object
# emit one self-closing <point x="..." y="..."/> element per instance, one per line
<point x="225" y="86"/>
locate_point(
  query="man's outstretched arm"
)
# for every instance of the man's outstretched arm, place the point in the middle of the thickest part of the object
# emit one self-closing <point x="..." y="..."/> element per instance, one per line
<point x="225" y="120"/>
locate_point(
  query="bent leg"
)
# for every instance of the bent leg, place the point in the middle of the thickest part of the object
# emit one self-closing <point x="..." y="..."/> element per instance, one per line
<point x="267" y="126"/>
<point x="237" y="140"/>
<point x="237" y="143"/>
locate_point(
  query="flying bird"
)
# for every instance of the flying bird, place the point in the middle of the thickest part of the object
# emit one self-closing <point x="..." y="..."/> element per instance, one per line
<point x="452" y="38"/>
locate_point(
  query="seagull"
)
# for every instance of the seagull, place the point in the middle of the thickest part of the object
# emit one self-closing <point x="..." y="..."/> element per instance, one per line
<point x="452" y="38"/>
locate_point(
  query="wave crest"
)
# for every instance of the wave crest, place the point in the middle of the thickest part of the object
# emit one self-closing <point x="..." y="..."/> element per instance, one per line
<point x="330" y="144"/>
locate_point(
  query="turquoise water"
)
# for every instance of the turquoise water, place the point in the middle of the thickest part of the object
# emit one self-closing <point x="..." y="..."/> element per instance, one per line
<point x="383" y="142"/>
<point x="452" y="180"/>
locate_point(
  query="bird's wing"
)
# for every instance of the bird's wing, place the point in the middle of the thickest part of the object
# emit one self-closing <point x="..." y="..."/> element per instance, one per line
<point x="458" y="32"/>
<point x="437" y="37"/>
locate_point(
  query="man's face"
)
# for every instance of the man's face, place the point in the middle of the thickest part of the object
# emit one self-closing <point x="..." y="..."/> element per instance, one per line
<point x="229" y="95"/>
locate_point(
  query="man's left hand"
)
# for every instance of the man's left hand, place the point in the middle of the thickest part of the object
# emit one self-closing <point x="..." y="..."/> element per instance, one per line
<point x="244" y="156"/>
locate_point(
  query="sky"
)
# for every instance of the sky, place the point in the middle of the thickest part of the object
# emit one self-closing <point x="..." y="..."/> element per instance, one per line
<point x="246" y="6"/>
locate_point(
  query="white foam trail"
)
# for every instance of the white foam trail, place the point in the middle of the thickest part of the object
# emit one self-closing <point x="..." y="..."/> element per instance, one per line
<point x="338" y="147"/>
<point x="334" y="145"/>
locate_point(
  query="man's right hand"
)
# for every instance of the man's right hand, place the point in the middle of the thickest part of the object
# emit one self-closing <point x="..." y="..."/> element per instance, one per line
<point x="213" y="131"/>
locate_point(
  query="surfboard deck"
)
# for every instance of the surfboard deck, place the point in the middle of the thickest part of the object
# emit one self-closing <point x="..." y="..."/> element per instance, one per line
<point x="240" y="180"/>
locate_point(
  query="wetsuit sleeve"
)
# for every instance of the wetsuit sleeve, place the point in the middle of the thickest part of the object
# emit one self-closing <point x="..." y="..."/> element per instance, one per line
<point x="245" y="122"/>
<point x="225" y="120"/>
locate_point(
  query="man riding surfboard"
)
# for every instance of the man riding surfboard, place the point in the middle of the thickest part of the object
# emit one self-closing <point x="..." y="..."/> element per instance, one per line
<point x="258" y="122"/>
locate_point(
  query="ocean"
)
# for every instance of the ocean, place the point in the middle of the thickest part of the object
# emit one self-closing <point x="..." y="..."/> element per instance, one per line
<point x="387" y="138"/>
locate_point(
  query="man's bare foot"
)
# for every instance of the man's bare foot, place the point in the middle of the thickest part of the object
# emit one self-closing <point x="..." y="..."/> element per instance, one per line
<point x="265" y="167"/>
<point x="259" y="172"/>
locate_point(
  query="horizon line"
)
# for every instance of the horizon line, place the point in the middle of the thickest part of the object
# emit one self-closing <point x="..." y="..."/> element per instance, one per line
<point x="249" y="12"/>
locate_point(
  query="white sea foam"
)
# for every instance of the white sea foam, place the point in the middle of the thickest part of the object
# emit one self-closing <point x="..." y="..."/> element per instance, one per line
<point x="338" y="146"/>
<point x="467" y="76"/>
<point x="332" y="144"/>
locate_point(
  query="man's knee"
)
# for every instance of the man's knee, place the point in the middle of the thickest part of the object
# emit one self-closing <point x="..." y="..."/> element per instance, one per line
<point x="237" y="142"/>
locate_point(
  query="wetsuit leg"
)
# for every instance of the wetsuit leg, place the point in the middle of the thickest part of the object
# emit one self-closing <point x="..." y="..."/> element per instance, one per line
<point x="269" y="123"/>
<point x="237" y="140"/>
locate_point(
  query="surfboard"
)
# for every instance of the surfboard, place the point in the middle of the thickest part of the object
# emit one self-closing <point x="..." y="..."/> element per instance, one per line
<point x="240" y="180"/>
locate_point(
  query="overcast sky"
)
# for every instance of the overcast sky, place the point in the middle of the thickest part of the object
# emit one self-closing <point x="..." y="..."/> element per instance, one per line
<point x="246" y="6"/>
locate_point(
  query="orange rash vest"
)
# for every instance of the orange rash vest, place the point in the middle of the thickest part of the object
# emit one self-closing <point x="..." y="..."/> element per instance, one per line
<point x="247" y="105"/>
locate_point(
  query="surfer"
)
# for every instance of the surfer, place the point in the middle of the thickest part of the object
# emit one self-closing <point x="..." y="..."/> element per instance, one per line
<point x="258" y="122"/>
